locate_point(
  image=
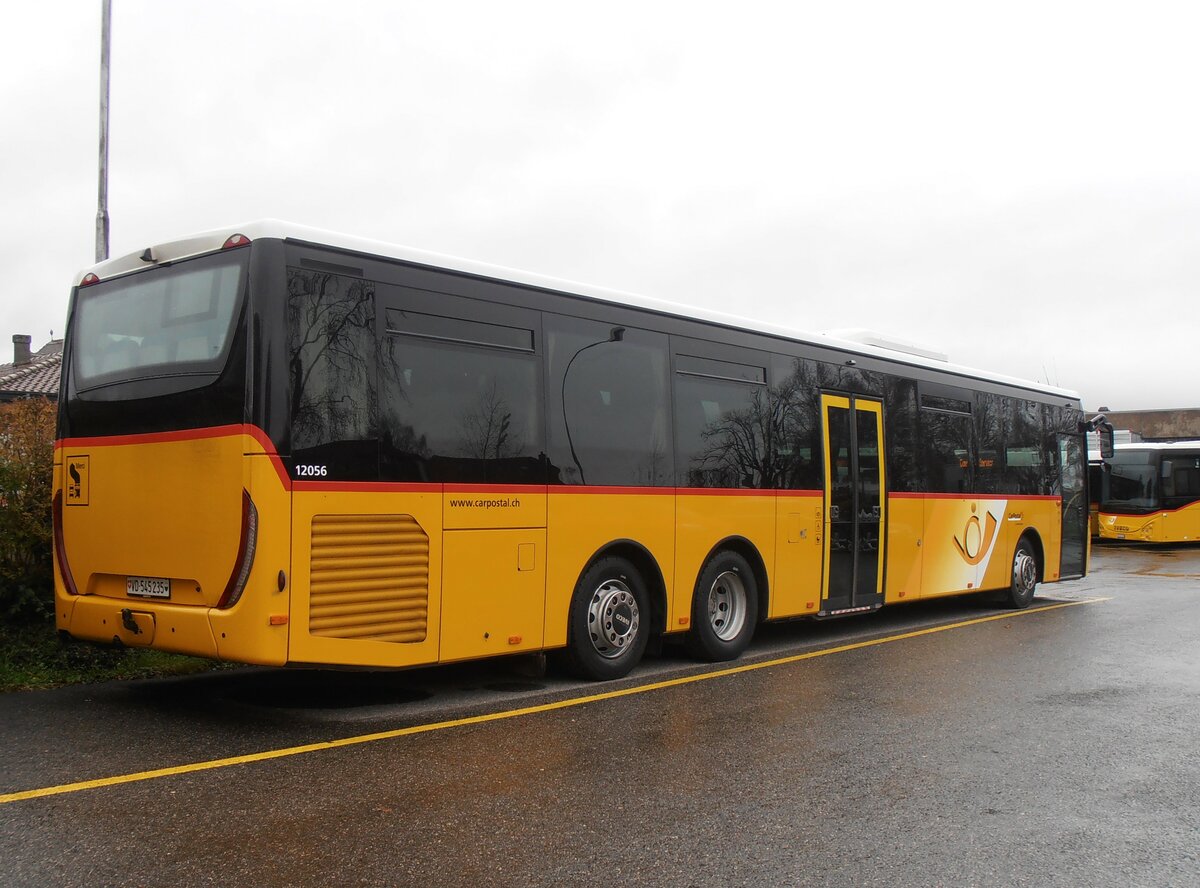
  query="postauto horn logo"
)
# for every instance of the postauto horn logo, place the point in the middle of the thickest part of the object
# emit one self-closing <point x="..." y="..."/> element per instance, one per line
<point x="977" y="537"/>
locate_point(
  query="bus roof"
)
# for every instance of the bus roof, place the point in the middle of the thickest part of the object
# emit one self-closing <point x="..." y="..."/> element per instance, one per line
<point x="864" y="343"/>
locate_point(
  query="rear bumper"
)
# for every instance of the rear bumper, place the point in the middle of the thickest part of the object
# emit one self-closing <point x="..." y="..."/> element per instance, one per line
<point x="177" y="628"/>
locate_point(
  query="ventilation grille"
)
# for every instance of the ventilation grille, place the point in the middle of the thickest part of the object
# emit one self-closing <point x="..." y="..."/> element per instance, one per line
<point x="370" y="578"/>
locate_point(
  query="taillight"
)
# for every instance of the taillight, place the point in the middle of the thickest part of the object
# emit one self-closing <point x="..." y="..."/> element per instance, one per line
<point x="245" y="556"/>
<point x="60" y="548"/>
<point x="89" y="279"/>
<point x="235" y="240"/>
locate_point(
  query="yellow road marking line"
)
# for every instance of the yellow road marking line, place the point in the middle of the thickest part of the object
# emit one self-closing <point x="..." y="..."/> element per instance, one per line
<point x="511" y="713"/>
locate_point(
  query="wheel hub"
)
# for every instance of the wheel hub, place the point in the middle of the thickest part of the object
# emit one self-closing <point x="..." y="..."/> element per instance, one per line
<point x="727" y="605"/>
<point x="613" y="618"/>
<point x="1024" y="572"/>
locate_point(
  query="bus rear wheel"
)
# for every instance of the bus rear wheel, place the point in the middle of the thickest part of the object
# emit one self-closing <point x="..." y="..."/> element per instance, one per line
<point x="724" y="608"/>
<point x="608" y="625"/>
<point x="1024" y="577"/>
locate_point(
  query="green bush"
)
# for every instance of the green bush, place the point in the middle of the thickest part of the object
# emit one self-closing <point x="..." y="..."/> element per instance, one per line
<point x="26" y="527"/>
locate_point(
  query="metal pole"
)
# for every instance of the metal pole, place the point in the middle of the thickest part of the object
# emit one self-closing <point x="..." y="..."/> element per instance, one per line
<point x="102" y="204"/>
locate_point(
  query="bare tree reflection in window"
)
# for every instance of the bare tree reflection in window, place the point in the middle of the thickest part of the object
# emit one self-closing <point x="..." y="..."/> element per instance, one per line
<point x="488" y="430"/>
<point x="799" y="397"/>
<point x="331" y="345"/>
<point x="740" y="446"/>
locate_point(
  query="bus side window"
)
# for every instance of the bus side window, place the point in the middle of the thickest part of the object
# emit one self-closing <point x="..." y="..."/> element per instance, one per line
<point x="331" y="344"/>
<point x="723" y="410"/>
<point x="608" y="402"/>
<point x="948" y="453"/>
<point x="1180" y="481"/>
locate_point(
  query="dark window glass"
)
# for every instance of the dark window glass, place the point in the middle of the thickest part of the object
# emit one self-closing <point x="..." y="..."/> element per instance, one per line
<point x="719" y="369"/>
<point x="870" y="498"/>
<point x="454" y="413"/>
<point x="991" y="421"/>
<point x="952" y="405"/>
<point x="1133" y="480"/>
<point x="851" y="380"/>
<point x="457" y="330"/>
<point x="331" y="348"/>
<point x="797" y="411"/>
<point x="608" y="401"/>
<point x="1180" y="480"/>
<point x="900" y="435"/>
<point x="1097" y="483"/>
<point x="1053" y="422"/>
<point x="948" y="461"/>
<point x="841" y="504"/>
<point x="1025" y="462"/>
<point x="724" y="433"/>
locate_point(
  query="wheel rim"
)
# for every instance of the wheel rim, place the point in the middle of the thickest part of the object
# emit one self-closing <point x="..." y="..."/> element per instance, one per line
<point x="613" y="619"/>
<point x="1024" y="573"/>
<point x="727" y="606"/>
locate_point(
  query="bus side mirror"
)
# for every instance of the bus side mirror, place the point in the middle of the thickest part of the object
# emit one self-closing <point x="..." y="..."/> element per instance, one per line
<point x="1104" y="430"/>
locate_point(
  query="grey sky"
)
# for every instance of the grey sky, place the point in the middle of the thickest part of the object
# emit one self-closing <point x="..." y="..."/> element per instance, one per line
<point x="1015" y="184"/>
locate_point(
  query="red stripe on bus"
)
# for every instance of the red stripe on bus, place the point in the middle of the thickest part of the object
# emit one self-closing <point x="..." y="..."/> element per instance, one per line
<point x="225" y="431"/>
<point x="723" y="491"/>
<point x="610" y="490"/>
<point x="166" y="437"/>
<point x="553" y="489"/>
<point x="368" y="487"/>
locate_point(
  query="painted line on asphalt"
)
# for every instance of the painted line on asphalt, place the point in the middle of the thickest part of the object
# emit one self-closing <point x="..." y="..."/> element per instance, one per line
<point x="268" y="755"/>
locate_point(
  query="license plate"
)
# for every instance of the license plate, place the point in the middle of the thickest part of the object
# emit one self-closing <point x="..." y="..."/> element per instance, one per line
<point x="148" y="587"/>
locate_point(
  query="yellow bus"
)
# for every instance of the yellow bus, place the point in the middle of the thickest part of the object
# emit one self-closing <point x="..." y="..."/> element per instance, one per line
<point x="1151" y="493"/>
<point x="279" y="445"/>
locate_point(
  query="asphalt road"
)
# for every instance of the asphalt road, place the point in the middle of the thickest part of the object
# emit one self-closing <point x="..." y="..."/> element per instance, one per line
<point x="933" y="744"/>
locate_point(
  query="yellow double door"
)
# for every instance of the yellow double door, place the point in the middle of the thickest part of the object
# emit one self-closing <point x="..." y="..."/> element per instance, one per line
<point x="855" y="508"/>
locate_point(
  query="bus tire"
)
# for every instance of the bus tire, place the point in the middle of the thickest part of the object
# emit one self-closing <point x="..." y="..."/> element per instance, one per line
<point x="608" y="624"/>
<point x="724" y="608"/>
<point x="1024" y="576"/>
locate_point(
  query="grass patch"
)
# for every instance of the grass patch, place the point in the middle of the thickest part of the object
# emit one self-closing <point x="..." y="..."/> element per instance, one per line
<point x="33" y="657"/>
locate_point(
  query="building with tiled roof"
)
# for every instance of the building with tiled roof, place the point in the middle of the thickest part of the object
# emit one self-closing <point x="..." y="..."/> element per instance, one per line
<point x="31" y="374"/>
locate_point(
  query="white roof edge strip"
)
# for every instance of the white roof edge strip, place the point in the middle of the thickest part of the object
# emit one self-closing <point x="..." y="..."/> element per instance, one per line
<point x="275" y="228"/>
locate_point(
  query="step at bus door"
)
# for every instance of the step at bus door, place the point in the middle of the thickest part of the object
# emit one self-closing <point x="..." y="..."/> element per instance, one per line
<point x="855" y="508"/>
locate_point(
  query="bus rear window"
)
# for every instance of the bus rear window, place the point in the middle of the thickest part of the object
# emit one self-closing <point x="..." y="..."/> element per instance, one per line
<point x="169" y="321"/>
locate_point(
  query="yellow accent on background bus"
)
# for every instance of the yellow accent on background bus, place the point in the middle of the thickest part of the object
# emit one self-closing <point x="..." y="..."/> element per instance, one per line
<point x="1151" y="493"/>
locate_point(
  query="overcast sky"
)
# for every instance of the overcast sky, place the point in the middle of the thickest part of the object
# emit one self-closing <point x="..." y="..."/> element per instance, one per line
<point x="1015" y="184"/>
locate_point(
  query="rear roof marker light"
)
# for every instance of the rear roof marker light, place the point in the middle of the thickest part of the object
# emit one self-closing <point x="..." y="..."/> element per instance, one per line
<point x="235" y="240"/>
<point x="89" y="279"/>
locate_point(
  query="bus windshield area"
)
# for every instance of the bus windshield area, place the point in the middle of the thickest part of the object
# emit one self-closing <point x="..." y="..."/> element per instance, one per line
<point x="173" y="320"/>
<point x="1133" y="481"/>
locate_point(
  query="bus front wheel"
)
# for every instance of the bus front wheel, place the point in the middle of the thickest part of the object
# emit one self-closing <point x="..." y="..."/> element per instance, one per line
<point x="1024" y="577"/>
<point x="609" y="621"/>
<point x="724" y="608"/>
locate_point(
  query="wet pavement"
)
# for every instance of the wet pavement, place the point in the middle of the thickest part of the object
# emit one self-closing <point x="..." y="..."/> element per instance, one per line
<point x="1056" y="746"/>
